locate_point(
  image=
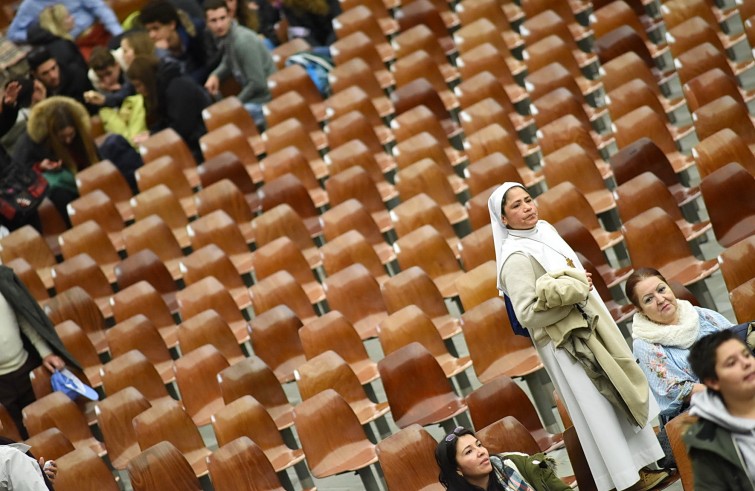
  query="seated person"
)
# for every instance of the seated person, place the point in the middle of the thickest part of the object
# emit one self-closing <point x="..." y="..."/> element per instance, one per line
<point x="58" y="79"/>
<point x="174" y="31"/>
<point x="58" y="143"/>
<point x="311" y="20"/>
<point x="244" y="57"/>
<point x="112" y="86"/>
<point x="721" y="444"/>
<point x="85" y="13"/>
<point x="172" y="100"/>
<point x="53" y="32"/>
<point x="466" y="465"/>
<point x="663" y="329"/>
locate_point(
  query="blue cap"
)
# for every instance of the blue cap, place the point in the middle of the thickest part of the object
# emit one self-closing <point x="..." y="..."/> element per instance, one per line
<point x="69" y="384"/>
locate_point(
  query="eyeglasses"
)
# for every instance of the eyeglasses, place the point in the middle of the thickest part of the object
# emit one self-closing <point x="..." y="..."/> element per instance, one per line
<point x="454" y="434"/>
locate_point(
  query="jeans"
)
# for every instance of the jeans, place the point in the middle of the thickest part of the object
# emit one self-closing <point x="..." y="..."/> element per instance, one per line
<point x="255" y="111"/>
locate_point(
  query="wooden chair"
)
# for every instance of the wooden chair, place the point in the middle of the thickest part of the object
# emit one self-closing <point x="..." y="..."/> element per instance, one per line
<point x="494" y="167"/>
<point x="560" y="102"/>
<point x="477" y="285"/>
<point x="282" y="254"/>
<point x="209" y="293"/>
<point x="282" y="52"/>
<point x="653" y="237"/>
<point x="737" y="263"/>
<point x="711" y="85"/>
<point x="342" y="132"/>
<point x="644" y="155"/>
<point x="410" y="325"/>
<point x="566" y="200"/>
<point x="495" y="139"/>
<point x="348" y="249"/>
<point x="724" y="112"/>
<point x="281" y="289"/>
<point x="422" y="146"/>
<point x="494" y="348"/>
<point x="553" y="49"/>
<point x="146" y="266"/>
<point x="211" y="260"/>
<point x="220" y="229"/>
<point x="573" y="164"/>
<point x="501" y="397"/>
<point x="154" y="234"/>
<point x="167" y="171"/>
<point x="728" y="198"/>
<point x="675" y="429"/>
<point x="168" y="142"/>
<point x="507" y="434"/>
<point x="353" y="215"/>
<point x="292" y="133"/>
<point x="417" y="389"/>
<point x="477" y="117"/>
<point x="283" y="220"/>
<point x="421" y="37"/>
<point x="356" y="294"/>
<point x="355" y="99"/>
<point x="169" y="423"/>
<point x="227" y="164"/>
<point x="414" y="249"/>
<point x="420" y="93"/>
<point x="82" y="271"/>
<point x="49" y="444"/>
<point x="433" y="14"/>
<point x="426" y="176"/>
<point x="133" y="369"/>
<point x="581" y="240"/>
<point x="275" y="337"/>
<point x="160" y="201"/>
<point x="361" y="19"/>
<point x="288" y="189"/>
<point x="420" y="118"/>
<point x="647" y="191"/>
<point x="329" y="453"/>
<point x="406" y="458"/>
<point x="231" y="110"/>
<point x="293" y="105"/>
<point x="80" y="346"/>
<point x="106" y="177"/>
<point x="114" y="415"/>
<point x="91" y="239"/>
<point x="419" y="64"/>
<point x="477" y="248"/>
<point x="84" y="466"/>
<point x="98" y="206"/>
<point x="295" y="78"/>
<point x="568" y="129"/>
<point x="253" y="377"/>
<point x="291" y="160"/>
<point x="57" y="410"/>
<point x="486" y="57"/>
<point x="241" y="465"/>
<point x="209" y="328"/>
<point x="76" y="305"/>
<point x="702" y="58"/>
<point x="354" y="183"/>
<point x="333" y="332"/>
<point x="196" y="377"/>
<point x="637" y="93"/>
<point x="30" y="278"/>
<point x="162" y="466"/>
<point x="742" y="301"/>
<point x="139" y="333"/>
<point x="225" y="195"/>
<point x="329" y="371"/>
<point x="358" y="45"/>
<point x="245" y="417"/>
<point x="721" y="148"/>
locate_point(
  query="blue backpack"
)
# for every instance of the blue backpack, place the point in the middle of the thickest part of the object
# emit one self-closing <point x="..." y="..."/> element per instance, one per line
<point x="317" y="67"/>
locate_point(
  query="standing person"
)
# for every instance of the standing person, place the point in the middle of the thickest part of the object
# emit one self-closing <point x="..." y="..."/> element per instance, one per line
<point x="244" y="57"/>
<point x="466" y="465"/>
<point x="582" y="349"/>
<point x="29" y="340"/>
<point x="721" y="444"/>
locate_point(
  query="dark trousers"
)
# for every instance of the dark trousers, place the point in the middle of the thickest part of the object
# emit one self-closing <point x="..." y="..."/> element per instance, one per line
<point x="16" y="392"/>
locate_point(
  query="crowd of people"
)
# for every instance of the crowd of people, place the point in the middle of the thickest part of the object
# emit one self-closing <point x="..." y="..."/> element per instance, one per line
<point x="158" y="69"/>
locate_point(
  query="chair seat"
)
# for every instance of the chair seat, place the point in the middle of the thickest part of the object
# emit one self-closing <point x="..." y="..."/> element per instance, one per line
<point x="198" y="461"/>
<point x="387" y="164"/>
<point x="367" y="410"/>
<point x="453" y="366"/>
<point x="282" y="415"/>
<point x="241" y="296"/>
<point x="612" y="276"/>
<point x="684" y="195"/>
<point x="680" y="162"/>
<point x="433" y="411"/>
<point x="740" y="231"/>
<point x="283" y="457"/>
<point x="547" y="441"/>
<point x="126" y="455"/>
<point x="517" y="364"/>
<point x="601" y="200"/>
<point x="314" y="291"/>
<point x="446" y="282"/>
<point x="606" y="239"/>
<point x="687" y="273"/>
<point x="285" y="371"/>
<point x="620" y="312"/>
<point x="455" y="212"/>
<point x="367" y="326"/>
<point x="240" y="329"/>
<point x="385" y="252"/>
<point x="692" y="231"/>
<point x="202" y="417"/>
<point x="365" y="370"/>
<point x="348" y="458"/>
<point x="447" y="325"/>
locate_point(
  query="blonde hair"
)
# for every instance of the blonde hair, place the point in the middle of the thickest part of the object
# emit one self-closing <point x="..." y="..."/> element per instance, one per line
<point x="53" y="19"/>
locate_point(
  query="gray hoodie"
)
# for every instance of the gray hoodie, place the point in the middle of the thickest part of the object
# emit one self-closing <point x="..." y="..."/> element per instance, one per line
<point x="707" y="405"/>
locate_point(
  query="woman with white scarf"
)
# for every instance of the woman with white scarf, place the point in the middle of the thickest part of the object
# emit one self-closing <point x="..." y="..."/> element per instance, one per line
<point x="664" y="329"/>
<point x="532" y="262"/>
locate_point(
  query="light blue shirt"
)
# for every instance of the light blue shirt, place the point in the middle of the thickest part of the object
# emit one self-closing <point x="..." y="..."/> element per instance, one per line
<point x="667" y="369"/>
<point x="84" y="12"/>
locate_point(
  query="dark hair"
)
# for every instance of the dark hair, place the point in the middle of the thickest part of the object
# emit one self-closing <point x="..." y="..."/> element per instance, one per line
<point x="445" y="456"/>
<point x="101" y="58"/>
<point x="160" y="11"/>
<point x="84" y="154"/>
<point x="140" y="43"/>
<point x="215" y="4"/>
<point x="702" y="354"/>
<point x="503" y="199"/>
<point x="144" y="70"/>
<point x="37" y="56"/>
<point x="630" y="289"/>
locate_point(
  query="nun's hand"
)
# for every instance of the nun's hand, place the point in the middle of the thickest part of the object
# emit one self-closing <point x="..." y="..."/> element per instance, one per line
<point x="589" y="279"/>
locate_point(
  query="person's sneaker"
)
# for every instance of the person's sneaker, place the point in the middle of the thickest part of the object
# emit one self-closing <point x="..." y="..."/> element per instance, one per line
<point x="649" y="480"/>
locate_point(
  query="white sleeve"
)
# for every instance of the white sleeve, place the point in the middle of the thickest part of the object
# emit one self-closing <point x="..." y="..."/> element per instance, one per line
<point x="19" y="472"/>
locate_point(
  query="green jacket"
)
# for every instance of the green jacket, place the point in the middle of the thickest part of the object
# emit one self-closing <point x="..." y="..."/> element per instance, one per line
<point x="715" y="459"/>
<point x="536" y="469"/>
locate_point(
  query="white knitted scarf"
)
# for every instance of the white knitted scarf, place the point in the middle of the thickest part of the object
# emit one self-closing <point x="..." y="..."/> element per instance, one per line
<point x="681" y="335"/>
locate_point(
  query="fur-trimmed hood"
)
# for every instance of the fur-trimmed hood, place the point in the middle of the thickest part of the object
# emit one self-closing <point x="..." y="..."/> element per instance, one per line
<point x="37" y="124"/>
